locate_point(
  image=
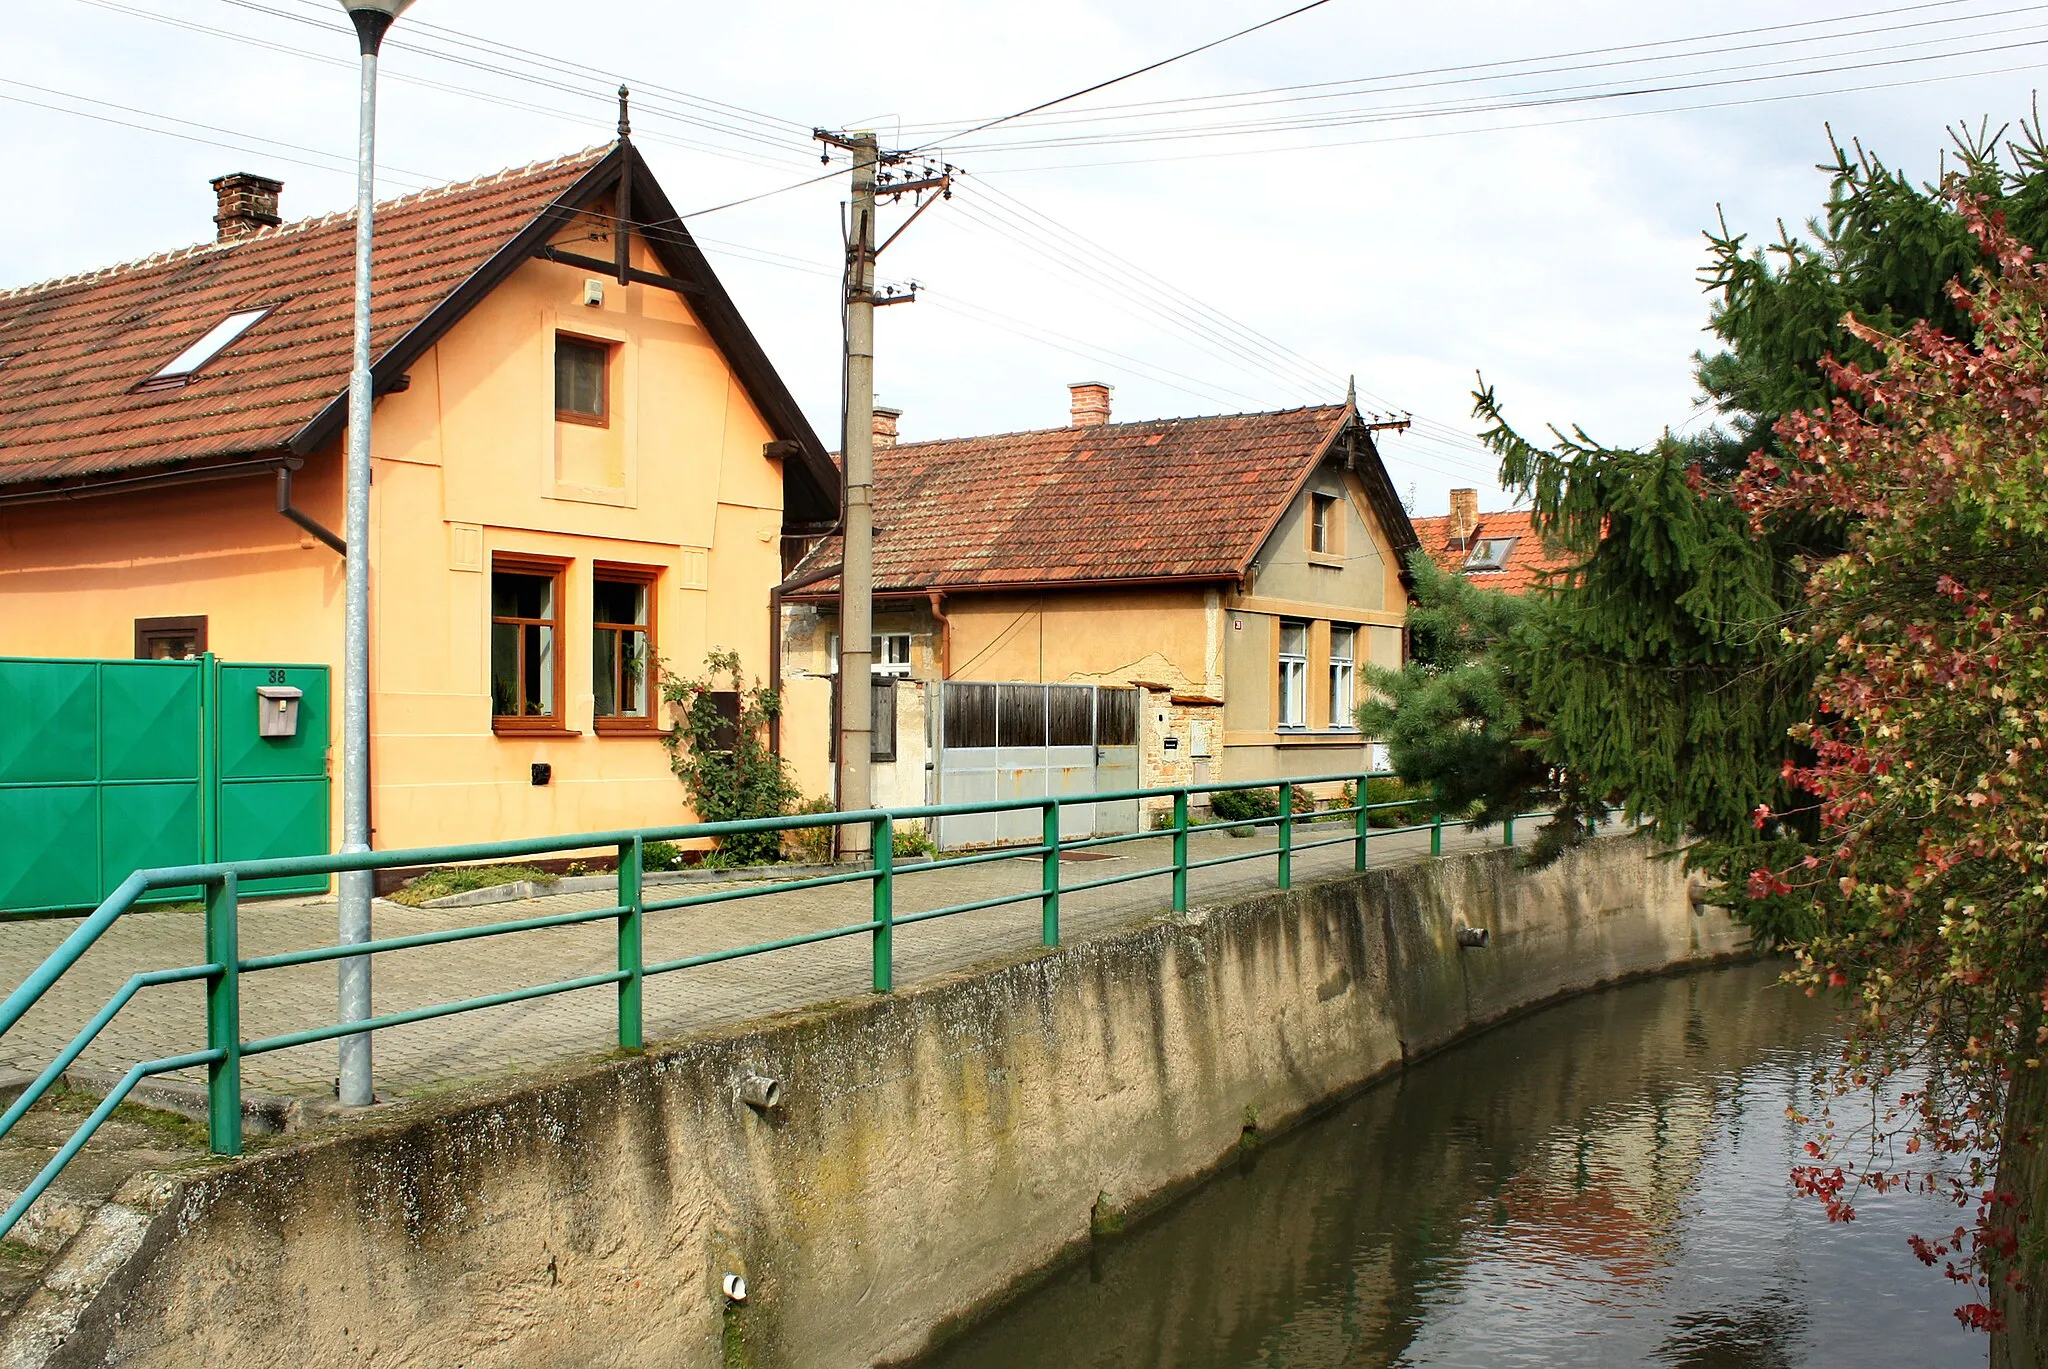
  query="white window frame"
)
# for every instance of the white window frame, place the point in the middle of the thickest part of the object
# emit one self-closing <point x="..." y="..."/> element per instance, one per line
<point x="890" y="655"/>
<point x="1343" y="677"/>
<point x="1293" y="679"/>
<point x="216" y="340"/>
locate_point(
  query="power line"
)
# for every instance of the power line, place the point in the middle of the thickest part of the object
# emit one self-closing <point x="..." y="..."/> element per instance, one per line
<point x="538" y="62"/>
<point x="231" y="139"/>
<point x="1116" y="80"/>
<point x="1508" y="104"/>
<point x="645" y="109"/>
<point x="1494" y="102"/>
<point x="1502" y="63"/>
<point x="1328" y="143"/>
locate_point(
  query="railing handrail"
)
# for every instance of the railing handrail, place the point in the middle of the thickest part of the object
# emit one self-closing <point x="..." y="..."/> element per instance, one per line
<point x="224" y="965"/>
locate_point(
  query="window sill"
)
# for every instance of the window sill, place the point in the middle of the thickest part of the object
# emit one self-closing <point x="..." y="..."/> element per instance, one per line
<point x="1325" y="560"/>
<point x="520" y="727"/>
<point x="628" y="727"/>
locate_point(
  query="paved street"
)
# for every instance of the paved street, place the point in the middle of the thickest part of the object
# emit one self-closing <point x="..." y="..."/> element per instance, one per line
<point x="170" y="1020"/>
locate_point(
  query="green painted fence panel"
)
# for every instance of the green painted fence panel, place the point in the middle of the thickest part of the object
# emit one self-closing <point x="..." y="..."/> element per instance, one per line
<point x="107" y="767"/>
<point x="143" y="825"/>
<point x="149" y="721"/>
<point x="260" y="819"/>
<point x="244" y="755"/>
<point x="50" y="858"/>
<point x="51" y="730"/>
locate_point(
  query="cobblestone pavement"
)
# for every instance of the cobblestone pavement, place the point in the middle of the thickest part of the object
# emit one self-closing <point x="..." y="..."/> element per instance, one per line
<point x="170" y="1020"/>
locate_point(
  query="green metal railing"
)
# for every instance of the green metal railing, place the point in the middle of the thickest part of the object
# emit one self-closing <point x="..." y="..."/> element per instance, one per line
<point x="225" y="966"/>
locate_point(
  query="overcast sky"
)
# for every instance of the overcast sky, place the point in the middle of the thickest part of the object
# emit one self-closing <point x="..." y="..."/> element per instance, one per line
<point x="1415" y="230"/>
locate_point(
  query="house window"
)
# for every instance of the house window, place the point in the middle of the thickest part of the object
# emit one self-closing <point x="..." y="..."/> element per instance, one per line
<point x="1490" y="553"/>
<point x="169" y="639"/>
<point x="1343" y="675"/>
<point x="582" y="380"/>
<point x="1323" y="527"/>
<point x="892" y="655"/>
<point x="1293" y="674"/>
<point x="622" y="647"/>
<point x="526" y="636"/>
<point x="181" y="368"/>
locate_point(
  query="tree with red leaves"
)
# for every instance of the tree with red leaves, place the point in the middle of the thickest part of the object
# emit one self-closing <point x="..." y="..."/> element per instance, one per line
<point x="1929" y="747"/>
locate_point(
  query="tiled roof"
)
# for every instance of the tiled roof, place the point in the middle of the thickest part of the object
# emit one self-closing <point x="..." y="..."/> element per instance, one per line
<point x="1175" y="498"/>
<point x="1528" y="561"/>
<point x="72" y="351"/>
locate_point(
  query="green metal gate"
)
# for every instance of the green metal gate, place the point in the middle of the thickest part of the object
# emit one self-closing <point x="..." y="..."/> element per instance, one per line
<point x="108" y="767"/>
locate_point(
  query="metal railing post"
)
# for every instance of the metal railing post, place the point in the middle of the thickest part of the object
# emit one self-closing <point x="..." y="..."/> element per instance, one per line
<point x="1180" y="851"/>
<point x="1286" y="835"/>
<point x="224" y="1020"/>
<point x="1049" y="889"/>
<point x="1507" y="830"/>
<point x="1363" y="819"/>
<point x="882" y="842"/>
<point x="1436" y="824"/>
<point x="632" y="943"/>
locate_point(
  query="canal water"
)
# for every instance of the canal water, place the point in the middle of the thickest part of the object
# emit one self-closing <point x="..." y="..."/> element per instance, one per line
<point x="1603" y="1183"/>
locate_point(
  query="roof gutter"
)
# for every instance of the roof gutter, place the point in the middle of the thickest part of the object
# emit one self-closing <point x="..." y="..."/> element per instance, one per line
<point x="1230" y="577"/>
<point x="162" y="479"/>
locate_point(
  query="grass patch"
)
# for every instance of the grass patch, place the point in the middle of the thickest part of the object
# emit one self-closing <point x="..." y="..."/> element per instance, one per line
<point x="172" y="1128"/>
<point x="460" y="879"/>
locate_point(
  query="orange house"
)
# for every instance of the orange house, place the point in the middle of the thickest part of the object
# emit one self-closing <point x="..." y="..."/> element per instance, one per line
<point x="583" y="465"/>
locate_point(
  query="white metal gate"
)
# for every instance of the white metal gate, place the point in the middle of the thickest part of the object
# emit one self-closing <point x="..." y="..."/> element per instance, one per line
<point x="1027" y="741"/>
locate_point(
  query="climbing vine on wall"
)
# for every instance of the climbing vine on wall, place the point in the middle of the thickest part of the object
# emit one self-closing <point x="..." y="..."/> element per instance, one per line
<point x="719" y="748"/>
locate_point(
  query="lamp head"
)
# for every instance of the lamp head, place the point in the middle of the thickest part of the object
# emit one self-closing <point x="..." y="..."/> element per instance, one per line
<point x="372" y="18"/>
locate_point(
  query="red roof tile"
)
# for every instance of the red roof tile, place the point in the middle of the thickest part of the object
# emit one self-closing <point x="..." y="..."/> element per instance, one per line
<point x="1529" y="560"/>
<point x="1175" y="498"/>
<point x="72" y="351"/>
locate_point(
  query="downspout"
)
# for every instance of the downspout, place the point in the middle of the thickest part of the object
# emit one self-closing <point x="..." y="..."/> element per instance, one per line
<point x="775" y="645"/>
<point x="300" y="516"/>
<point x="938" y="600"/>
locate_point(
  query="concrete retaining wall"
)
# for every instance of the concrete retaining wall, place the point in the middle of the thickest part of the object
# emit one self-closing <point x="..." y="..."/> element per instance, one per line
<point x="933" y="1147"/>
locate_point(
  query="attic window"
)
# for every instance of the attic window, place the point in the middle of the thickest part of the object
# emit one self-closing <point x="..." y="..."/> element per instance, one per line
<point x="182" y="367"/>
<point x="1490" y="553"/>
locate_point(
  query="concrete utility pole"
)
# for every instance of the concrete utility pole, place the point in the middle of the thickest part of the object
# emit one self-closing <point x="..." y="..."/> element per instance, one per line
<point x="857" y="451"/>
<point x="857" y="572"/>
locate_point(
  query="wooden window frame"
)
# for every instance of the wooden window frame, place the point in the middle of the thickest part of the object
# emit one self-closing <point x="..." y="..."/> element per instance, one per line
<point x="1330" y="523"/>
<point x="607" y="347"/>
<point x="148" y="629"/>
<point x="557" y="569"/>
<point x="625" y="573"/>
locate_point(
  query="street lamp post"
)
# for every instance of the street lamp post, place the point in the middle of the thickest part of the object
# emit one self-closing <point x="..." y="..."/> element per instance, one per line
<point x="371" y="18"/>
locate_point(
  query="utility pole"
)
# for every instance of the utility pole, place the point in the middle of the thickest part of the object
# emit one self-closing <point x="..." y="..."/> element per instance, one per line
<point x="857" y="449"/>
<point x="857" y="526"/>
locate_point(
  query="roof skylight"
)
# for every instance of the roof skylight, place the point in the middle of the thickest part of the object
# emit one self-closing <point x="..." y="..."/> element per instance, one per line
<point x="217" y="340"/>
<point x="1490" y="553"/>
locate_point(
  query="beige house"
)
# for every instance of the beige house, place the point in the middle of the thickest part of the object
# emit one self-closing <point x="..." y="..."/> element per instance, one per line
<point x="1217" y="583"/>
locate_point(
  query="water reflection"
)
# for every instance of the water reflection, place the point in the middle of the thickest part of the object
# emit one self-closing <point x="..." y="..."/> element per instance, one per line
<point x="1603" y="1184"/>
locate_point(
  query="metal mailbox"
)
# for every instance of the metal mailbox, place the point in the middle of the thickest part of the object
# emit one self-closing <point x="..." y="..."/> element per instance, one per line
<point x="277" y="713"/>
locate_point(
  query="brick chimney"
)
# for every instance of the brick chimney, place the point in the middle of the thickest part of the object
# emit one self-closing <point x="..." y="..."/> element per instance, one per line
<point x="247" y="203"/>
<point x="885" y="426"/>
<point x="1091" y="403"/>
<point x="1464" y="513"/>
